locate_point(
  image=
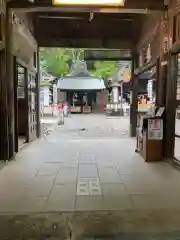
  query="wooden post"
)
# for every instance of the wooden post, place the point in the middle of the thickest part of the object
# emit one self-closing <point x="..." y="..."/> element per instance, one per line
<point x="170" y="107"/>
<point x="162" y="69"/>
<point x="157" y="82"/>
<point x="102" y="102"/>
<point x="16" y="105"/>
<point x="134" y="101"/>
<point x="10" y="82"/>
<point x="163" y="74"/>
<point x="4" y="143"/>
<point x="38" y="75"/>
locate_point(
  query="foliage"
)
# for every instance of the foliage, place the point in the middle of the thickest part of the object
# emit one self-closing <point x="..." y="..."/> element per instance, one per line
<point x="58" y="61"/>
<point x="104" y="69"/>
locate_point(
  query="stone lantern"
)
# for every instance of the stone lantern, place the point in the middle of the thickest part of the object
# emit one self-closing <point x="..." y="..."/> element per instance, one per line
<point x="117" y="98"/>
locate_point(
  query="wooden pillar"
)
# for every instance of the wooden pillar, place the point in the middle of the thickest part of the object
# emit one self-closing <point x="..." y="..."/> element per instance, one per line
<point x="10" y="83"/>
<point x="170" y="107"/>
<point x="157" y="81"/>
<point x="15" y="70"/>
<point x="4" y="143"/>
<point x="38" y="75"/>
<point x="162" y="74"/>
<point x="134" y="100"/>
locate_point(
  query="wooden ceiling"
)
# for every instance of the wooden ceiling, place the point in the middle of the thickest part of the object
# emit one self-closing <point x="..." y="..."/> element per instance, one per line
<point x="87" y="27"/>
<point x="79" y="30"/>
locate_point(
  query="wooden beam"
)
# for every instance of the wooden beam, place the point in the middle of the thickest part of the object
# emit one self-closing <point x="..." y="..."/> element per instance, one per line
<point x="108" y="59"/>
<point x="82" y="29"/>
<point x="149" y="28"/>
<point x="85" y="43"/>
<point x="145" y="4"/>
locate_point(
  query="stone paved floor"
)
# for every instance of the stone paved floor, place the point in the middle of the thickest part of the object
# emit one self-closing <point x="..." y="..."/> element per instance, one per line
<point x="47" y="124"/>
<point x="86" y="178"/>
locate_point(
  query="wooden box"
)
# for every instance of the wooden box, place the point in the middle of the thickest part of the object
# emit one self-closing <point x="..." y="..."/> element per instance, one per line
<point x="151" y="149"/>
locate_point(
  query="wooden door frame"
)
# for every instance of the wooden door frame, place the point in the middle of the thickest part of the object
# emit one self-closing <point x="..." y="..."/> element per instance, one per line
<point x="30" y="73"/>
<point x="20" y="63"/>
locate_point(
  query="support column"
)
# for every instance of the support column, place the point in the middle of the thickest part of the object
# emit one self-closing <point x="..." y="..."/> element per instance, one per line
<point x="170" y="108"/>
<point x="10" y="83"/>
<point x="162" y="81"/>
<point x="4" y="142"/>
<point x="134" y="100"/>
<point x="164" y="58"/>
<point x="157" y="81"/>
<point x="38" y="75"/>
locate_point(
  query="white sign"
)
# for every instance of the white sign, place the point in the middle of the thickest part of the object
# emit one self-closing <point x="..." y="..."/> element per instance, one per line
<point x="46" y="96"/>
<point x="115" y="91"/>
<point x="141" y="60"/>
<point x="54" y="93"/>
<point x="148" y="54"/>
<point x="150" y="90"/>
<point x="155" y="129"/>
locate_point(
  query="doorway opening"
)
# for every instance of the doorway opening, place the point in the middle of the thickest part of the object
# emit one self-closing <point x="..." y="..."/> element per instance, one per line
<point x="177" y="119"/>
<point x="22" y="106"/>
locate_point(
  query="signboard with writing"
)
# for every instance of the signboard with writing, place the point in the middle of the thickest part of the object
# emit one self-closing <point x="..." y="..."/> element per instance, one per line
<point x="124" y="71"/>
<point x="113" y="54"/>
<point x="155" y="129"/>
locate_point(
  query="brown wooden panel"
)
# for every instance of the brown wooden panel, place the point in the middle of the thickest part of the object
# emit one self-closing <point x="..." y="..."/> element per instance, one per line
<point x="4" y="144"/>
<point x="82" y="29"/>
<point x="85" y="43"/>
<point x="150" y="28"/>
<point x="176" y="28"/>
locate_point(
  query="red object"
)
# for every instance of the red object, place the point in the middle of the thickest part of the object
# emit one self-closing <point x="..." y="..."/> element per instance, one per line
<point x="60" y="107"/>
<point x="102" y="102"/>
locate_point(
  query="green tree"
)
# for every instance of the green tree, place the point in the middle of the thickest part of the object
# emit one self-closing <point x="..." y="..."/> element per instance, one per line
<point x="57" y="60"/>
<point x="104" y="69"/>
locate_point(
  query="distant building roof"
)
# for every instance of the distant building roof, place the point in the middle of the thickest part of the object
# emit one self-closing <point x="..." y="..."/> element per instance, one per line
<point x="79" y="69"/>
<point x="80" y="83"/>
<point x="80" y="79"/>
